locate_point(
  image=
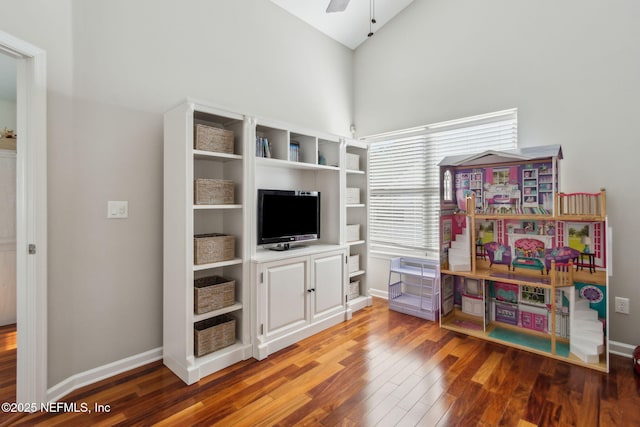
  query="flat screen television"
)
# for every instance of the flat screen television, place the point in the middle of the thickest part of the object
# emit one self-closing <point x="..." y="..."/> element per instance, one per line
<point x="286" y="216"/>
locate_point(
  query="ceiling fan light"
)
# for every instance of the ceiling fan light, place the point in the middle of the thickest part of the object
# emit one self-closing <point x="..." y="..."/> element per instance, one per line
<point x="337" y="6"/>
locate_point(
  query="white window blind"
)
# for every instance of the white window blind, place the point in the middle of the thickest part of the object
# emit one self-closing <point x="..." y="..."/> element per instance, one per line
<point x="404" y="188"/>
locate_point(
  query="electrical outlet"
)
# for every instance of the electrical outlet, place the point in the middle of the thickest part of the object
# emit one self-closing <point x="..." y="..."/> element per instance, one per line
<point x="622" y="305"/>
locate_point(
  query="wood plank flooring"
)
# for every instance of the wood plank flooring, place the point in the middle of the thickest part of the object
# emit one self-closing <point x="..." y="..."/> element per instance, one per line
<point x="382" y="368"/>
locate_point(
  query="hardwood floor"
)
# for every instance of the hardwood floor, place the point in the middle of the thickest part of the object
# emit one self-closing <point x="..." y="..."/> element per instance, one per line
<point x="8" y="337"/>
<point x="381" y="368"/>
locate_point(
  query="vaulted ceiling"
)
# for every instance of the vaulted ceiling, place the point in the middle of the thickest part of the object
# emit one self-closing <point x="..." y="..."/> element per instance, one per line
<point x="349" y="27"/>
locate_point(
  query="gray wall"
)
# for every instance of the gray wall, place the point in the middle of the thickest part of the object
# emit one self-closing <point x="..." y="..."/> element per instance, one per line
<point x="571" y="68"/>
<point x="113" y="69"/>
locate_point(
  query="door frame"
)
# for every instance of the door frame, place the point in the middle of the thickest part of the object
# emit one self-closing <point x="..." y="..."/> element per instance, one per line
<point x="31" y="217"/>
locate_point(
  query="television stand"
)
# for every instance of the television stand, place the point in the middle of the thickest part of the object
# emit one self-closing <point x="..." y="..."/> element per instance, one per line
<point x="285" y="247"/>
<point x="280" y="247"/>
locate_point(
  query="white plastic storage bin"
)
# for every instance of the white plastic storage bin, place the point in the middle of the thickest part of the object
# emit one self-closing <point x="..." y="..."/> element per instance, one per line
<point x="354" y="263"/>
<point x="353" y="162"/>
<point x="353" y="196"/>
<point x="353" y="232"/>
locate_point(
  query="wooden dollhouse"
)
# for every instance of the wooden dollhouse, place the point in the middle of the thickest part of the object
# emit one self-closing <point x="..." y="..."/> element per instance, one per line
<point x="522" y="263"/>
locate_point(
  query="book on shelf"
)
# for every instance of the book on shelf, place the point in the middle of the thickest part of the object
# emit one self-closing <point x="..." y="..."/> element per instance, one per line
<point x="294" y="151"/>
<point x="263" y="147"/>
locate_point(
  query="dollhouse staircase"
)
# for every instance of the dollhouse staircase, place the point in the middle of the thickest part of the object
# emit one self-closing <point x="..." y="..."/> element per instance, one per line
<point x="460" y="252"/>
<point x="587" y="336"/>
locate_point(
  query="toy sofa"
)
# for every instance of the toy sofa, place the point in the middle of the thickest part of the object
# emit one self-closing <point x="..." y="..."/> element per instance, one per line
<point x="498" y="254"/>
<point x="559" y="255"/>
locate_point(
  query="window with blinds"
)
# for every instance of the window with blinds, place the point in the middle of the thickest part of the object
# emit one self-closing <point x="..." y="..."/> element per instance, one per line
<point x="404" y="188"/>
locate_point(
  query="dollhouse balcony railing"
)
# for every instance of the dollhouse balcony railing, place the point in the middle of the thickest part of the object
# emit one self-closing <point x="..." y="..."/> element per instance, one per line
<point x="590" y="206"/>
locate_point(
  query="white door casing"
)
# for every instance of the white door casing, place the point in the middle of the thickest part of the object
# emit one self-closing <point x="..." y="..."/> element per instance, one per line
<point x="31" y="218"/>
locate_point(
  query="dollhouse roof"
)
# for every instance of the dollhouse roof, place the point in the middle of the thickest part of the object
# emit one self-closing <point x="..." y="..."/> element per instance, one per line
<point x="493" y="156"/>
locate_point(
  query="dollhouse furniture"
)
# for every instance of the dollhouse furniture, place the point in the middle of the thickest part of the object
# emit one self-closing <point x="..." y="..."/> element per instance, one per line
<point x="498" y="254"/>
<point x="480" y="252"/>
<point x="528" y="254"/>
<point x="502" y="195"/>
<point x="527" y="262"/>
<point x="591" y="261"/>
<point x="529" y="248"/>
<point x="417" y="288"/>
<point x="560" y="255"/>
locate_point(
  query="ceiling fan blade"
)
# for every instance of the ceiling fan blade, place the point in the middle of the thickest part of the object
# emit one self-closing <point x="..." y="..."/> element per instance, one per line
<point x="337" y="6"/>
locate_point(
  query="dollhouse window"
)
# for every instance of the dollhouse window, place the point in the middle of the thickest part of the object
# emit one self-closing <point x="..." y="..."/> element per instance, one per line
<point x="447" y="183"/>
<point x="501" y="176"/>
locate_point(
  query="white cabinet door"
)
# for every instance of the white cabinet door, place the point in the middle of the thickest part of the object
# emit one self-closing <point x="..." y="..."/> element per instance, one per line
<point x="328" y="293"/>
<point x="286" y="295"/>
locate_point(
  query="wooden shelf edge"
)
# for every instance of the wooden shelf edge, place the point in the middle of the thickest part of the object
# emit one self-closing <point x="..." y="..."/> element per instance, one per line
<point x="541" y="217"/>
<point x="200" y="267"/>
<point x="212" y="155"/>
<point x="268" y="161"/>
<point x="356" y="273"/>
<point x="224" y="310"/>
<point x="215" y="207"/>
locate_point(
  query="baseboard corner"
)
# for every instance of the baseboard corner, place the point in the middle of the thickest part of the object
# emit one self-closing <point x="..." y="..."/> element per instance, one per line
<point x="100" y="373"/>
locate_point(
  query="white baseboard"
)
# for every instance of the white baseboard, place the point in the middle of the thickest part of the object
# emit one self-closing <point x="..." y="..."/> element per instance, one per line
<point x="621" y="349"/>
<point x="378" y="293"/>
<point x="94" y="375"/>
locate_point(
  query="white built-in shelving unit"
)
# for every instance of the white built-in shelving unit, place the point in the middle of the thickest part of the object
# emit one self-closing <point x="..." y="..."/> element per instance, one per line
<point x="183" y="219"/>
<point x="281" y="297"/>
<point x="355" y="205"/>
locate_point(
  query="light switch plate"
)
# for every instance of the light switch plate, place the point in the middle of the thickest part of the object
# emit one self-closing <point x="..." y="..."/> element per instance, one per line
<point x="117" y="209"/>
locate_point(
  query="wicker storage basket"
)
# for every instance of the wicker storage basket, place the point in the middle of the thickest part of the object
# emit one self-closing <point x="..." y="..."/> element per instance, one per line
<point x="354" y="290"/>
<point x="214" y="247"/>
<point x="213" y="139"/>
<point x="353" y="196"/>
<point x="213" y="334"/>
<point x="354" y="263"/>
<point x="212" y="293"/>
<point x="213" y="192"/>
<point x="353" y="232"/>
<point x="353" y="162"/>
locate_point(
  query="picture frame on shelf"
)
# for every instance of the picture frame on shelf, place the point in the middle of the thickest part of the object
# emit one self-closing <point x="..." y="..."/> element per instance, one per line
<point x="529" y="227"/>
<point x="446" y="230"/>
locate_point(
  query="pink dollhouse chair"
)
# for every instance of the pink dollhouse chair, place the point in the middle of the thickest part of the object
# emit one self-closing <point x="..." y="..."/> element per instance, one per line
<point x="498" y="254"/>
